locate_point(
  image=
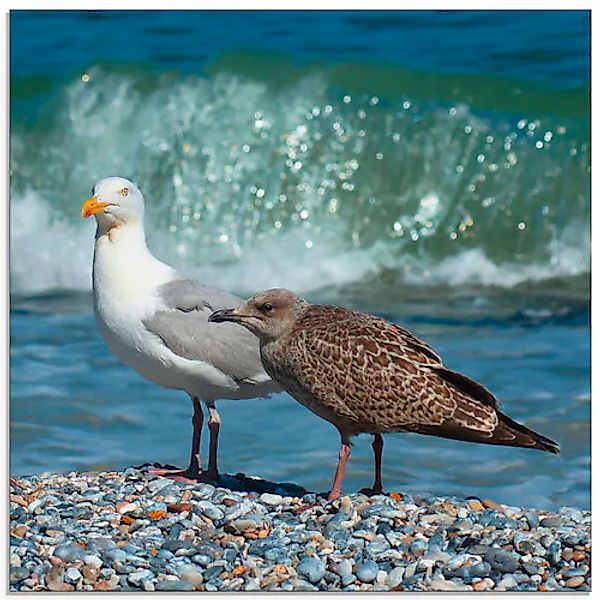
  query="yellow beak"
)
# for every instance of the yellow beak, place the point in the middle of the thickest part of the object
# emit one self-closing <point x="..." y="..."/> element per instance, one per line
<point x="91" y="206"/>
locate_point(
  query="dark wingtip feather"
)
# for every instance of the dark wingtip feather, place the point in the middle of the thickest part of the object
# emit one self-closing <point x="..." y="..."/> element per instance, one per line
<point x="468" y="386"/>
<point x="508" y="432"/>
<point x="525" y="437"/>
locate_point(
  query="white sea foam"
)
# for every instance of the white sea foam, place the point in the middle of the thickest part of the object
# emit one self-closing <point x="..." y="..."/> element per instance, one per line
<point x="249" y="188"/>
<point x="49" y="253"/>
<point x="474" y="268"/>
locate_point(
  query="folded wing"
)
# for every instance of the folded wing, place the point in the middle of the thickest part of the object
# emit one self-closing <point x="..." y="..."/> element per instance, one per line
<point x="183" y="327"/>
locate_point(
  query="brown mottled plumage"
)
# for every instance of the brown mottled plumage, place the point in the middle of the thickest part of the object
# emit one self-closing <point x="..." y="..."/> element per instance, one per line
<point x="366" y="375"/>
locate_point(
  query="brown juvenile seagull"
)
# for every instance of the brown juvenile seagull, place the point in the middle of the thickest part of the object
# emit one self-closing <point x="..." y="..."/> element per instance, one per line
<point x="366" y="375"/>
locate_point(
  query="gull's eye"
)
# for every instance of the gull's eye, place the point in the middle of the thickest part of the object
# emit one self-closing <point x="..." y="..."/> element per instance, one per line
<point x="125" y="191"/>
<point x="267" y="308"/>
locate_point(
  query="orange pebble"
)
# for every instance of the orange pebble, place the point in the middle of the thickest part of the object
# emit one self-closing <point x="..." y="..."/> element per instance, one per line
<point x="157" y="514"/>
<point x="238" y="571"/>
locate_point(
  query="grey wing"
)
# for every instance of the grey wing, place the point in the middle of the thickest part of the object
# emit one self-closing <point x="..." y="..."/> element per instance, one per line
<point x="184" y="328"/>
<point x="187" y="295"/>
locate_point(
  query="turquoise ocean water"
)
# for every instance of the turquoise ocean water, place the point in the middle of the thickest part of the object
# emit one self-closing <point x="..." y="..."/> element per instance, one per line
<point x="431" y="167"/>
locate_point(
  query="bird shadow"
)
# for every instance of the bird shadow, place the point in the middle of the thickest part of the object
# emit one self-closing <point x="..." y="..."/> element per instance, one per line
<point x="240" y="482"/>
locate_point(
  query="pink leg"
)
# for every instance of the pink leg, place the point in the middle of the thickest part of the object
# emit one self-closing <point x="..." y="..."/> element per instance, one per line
<point x="193" y="470"/>
<point x="336" y="490"/>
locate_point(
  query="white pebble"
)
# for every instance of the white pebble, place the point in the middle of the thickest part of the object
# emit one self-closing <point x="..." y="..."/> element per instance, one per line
<point x="72" y="575"/>
<point x="448" y="586"/>
<point x="92" y="561"/>
<point x="271" y="499"/>
<point x="128" y="507"/>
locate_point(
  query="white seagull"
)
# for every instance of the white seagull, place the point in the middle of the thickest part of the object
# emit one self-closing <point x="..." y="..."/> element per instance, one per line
<point x="156" y="320"/>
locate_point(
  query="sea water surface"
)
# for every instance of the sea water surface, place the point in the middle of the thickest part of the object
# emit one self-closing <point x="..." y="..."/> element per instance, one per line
<point x="429" y="167"/>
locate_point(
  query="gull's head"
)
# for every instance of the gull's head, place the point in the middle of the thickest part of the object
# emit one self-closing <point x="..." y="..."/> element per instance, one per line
<point x="268" y="315"/>
<point x="115" y="201"/>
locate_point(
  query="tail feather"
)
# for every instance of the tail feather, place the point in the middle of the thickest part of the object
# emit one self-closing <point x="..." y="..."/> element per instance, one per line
<point x="507" y="433"/>
<point x="473" y="402"/>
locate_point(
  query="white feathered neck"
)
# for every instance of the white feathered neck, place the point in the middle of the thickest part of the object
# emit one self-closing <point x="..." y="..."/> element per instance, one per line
<point x="125" y="273"/>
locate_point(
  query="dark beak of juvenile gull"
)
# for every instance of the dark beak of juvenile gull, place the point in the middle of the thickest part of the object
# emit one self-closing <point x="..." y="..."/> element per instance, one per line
<point x="221" y="316"/>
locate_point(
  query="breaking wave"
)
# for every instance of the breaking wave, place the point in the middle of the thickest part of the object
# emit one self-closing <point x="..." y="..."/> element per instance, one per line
<point x="251" y="185"/>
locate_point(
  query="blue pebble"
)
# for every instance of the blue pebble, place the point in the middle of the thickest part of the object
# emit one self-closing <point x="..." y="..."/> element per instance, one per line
<point x="70" y="552"/>
<point x="377" y="547"/>
<point x="17" y="574"/>
<point x="116" y="555"/>
<point x="480" y="569"/>
<point x="501" y="560"/>
<point x="275" y="554"/>
<point x="533" y="520"/>
<point x="437" y="540"/>
<point x="338" y="536"/>
<point x="551" y="522"/>
<point x="212" y="572"/>
<point x="367" y="572"/>
<point x="418" y="547"/>
<point x="344" y="568"/>
<point x="201" y="559"/>
<point x="171" y="585"/>
<point x="311" y="568"/>
<point x="531" y="568"/>
<point x="229" y="554"/>
<point x="394" y="577"/>
<point x="383" y="528"/>
<point x="554" y="553"/>
<point x="575" y="572"/>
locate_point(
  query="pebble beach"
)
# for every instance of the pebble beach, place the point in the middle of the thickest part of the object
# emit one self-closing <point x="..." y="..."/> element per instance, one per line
<point x="126" y="531"/>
